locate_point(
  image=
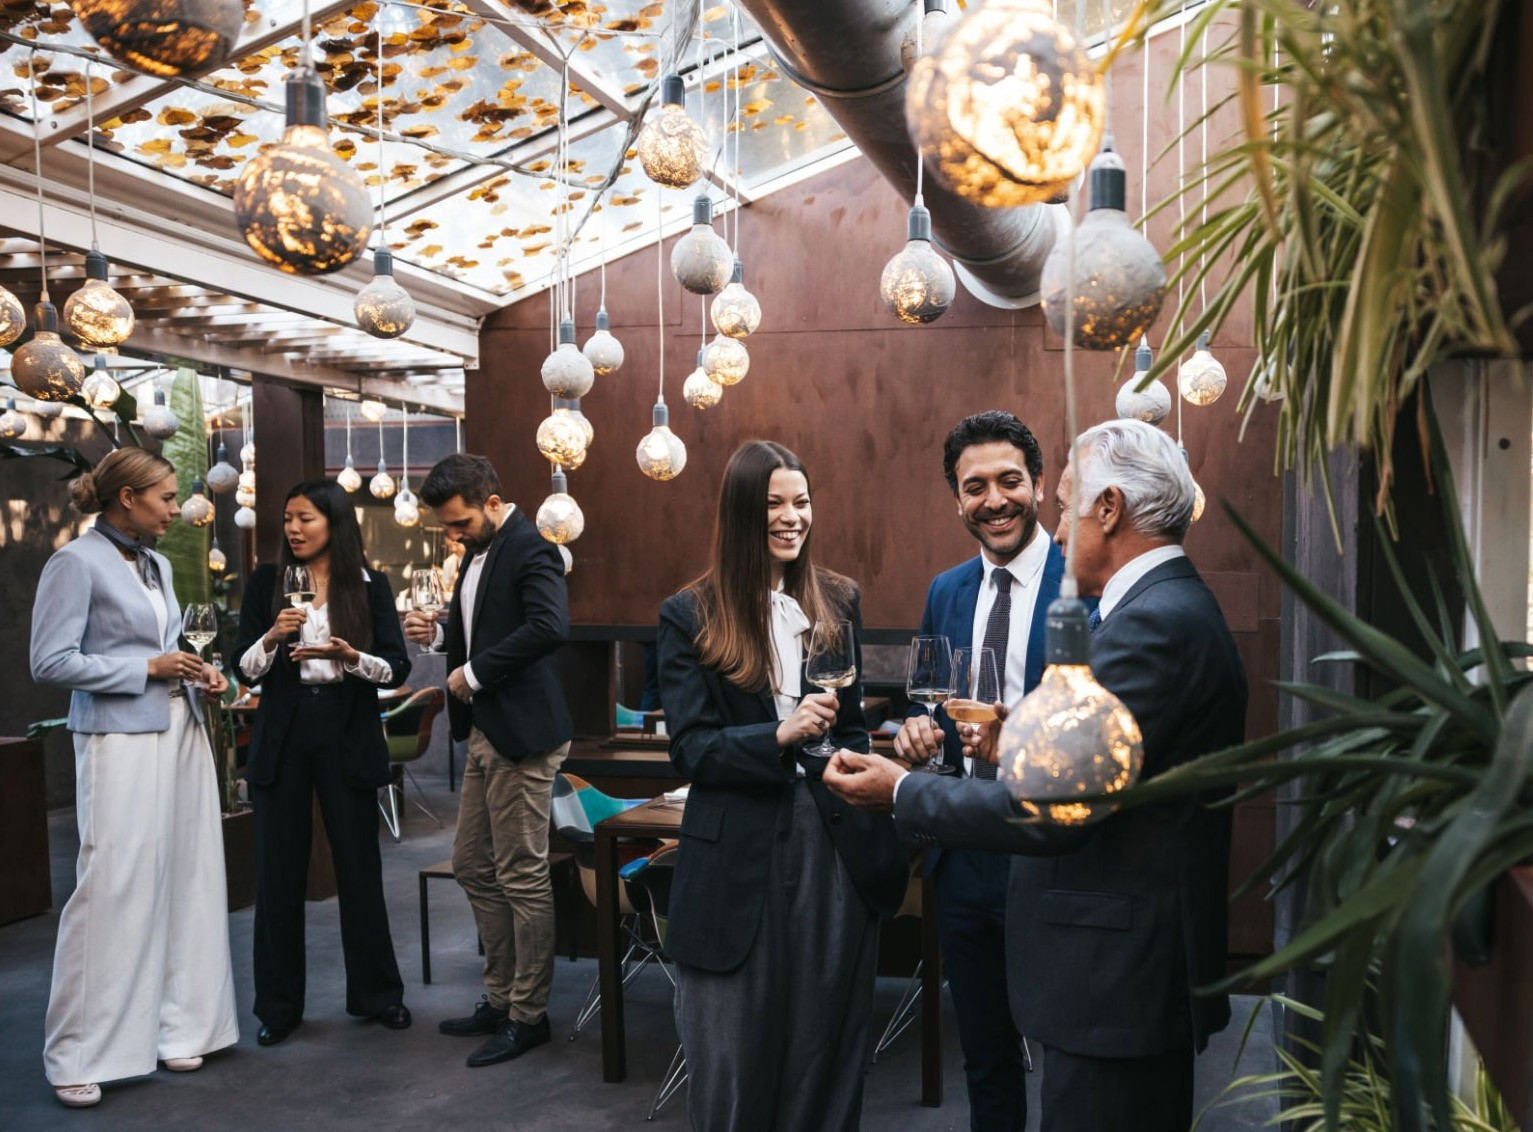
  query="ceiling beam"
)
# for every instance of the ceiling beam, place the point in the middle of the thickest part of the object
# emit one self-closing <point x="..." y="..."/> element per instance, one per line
<point x="545" y="49"/>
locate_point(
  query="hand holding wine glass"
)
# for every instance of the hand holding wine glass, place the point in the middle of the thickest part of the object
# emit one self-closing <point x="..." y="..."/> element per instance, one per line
<point x="832" y="665"/>
<point x="298" y="588"/>
<point x="929" y="682"/>
<point x="976" y="705"/>
<point x="199" y="625"/>
<point x="427" y="596"/>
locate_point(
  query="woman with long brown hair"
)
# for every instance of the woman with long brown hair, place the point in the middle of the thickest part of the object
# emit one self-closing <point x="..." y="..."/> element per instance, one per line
<point x="779" y="885"/>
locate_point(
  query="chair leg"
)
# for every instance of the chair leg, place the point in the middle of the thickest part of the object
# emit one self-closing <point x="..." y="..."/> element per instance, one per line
<point x="390" y="815"/>
<point x="425" y="935"/>
<point x="419" y="805"/>
<point x="630" y="971"/>
<point x="675" y="1078"/>
<point x="904" y="1014"/>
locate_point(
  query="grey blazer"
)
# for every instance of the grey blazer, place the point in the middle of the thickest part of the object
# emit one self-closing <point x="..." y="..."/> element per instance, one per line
<point x="93" y="632"/>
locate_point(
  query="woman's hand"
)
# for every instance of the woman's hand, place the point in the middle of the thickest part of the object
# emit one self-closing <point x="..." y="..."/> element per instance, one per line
<point x="334" y="649"/>
<point x="288" y="622"/>
<point x="215" y="683"/>
<point x="814" y="716"/>
<point x="175" y="666"/>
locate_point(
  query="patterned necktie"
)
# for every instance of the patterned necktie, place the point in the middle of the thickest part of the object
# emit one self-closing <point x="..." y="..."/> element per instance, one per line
<point x="1094" y="619"/>
<point x="997" y="633"/>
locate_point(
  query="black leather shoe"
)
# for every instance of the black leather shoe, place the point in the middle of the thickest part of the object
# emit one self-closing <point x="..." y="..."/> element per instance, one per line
<point x="512" y="1040"/>
<point x="484" y="1020"/>
<point x="271" y="1035"/>
<point x="396" y="1017"/>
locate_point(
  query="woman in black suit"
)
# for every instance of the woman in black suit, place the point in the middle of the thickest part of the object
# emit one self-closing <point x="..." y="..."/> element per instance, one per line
<point x="317" y="734"/>
<point x="779" y="885"/>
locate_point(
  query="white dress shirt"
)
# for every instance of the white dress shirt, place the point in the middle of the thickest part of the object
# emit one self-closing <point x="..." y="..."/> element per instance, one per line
<point x="1130" y="572"/>
<point x="468" y="595"/>
<point x="258" y="658"/>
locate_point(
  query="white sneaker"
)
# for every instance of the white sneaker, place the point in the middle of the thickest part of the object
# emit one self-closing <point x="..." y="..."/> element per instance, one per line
<point x="78" y="1096"/>
<point x="182" y="1064"/>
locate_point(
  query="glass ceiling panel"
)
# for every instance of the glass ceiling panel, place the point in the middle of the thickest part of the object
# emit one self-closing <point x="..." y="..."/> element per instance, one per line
<point x="780" y="127"/>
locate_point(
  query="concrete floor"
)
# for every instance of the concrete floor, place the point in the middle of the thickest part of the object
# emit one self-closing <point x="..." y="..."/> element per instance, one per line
<point x="337" y="1074"/>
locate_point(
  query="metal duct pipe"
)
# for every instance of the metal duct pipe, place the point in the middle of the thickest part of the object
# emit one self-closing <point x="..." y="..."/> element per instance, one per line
<point x="847" y="54"/>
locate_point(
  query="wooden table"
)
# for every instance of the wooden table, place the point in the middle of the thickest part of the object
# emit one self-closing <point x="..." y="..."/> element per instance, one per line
<point x="662" y="819"/>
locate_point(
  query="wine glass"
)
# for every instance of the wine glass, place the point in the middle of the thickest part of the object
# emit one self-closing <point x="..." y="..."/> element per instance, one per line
<point x="426" y="594"/>
<point x="976" y="687"/>
<point x="929" y="681"/>
<point x="199" y="625"/>
<point x="298" y="588"/>
<point x="832" y="664"/>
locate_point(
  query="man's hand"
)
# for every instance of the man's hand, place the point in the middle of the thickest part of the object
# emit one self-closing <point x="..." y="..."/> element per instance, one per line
<point x="918" y="740"/>
<point x="334" y="649"/>
<point x="215" y="682"/>
<point x="458" y="685"/>
<point x="980" y="740"/>
<point x="420" y="627"/>
<point x="866" y="781"/>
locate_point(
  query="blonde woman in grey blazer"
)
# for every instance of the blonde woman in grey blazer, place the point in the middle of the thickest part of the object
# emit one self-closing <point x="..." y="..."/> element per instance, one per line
<point x="141" y="970"/>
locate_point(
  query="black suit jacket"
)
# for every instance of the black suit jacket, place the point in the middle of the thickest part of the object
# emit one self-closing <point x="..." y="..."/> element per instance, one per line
<point x="1109" y="927"/>
<point x="724" y="741"/>
<point x="366" y="751"/>
<point x="521" y="616"/>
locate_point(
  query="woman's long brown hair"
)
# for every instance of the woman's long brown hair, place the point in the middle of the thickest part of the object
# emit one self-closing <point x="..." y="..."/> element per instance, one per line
<point x="734" y="634"/>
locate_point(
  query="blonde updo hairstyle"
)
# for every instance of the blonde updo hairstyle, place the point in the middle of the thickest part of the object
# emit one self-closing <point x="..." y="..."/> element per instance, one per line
<point x="135" y="468"/>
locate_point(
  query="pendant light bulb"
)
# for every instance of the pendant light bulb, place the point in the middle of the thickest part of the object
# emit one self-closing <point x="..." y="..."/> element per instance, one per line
<point x="701" y="260"/>
<point x="407" y="511"/>
<point x="602" y="350"/>
<point x="160" y="421"/>
<point x="560" y="519"/>
<point x="726" y="360"/>
<point x="735" y="311"/>
<point x="222" y="477"/>
<point x="1201" y="379"/>
<point x="383" y="308"/>
<point x="561" y="439"/>
<point x="245" y="518"/>
<point x="568" y="373"/>
<point x="661" y="454"/>
<point x="12" y="423"/>
<point x="382" y="484"/>
<point x="13" y="317"/>
<point x="672" y="148"/>
<point x="350" y="479"/>
<point x="44" y="367"/>
<point x="100" y="390"/>
<point x="164" y="37"/>
<point x="218" y="561"/>
<point x="96" y="314"/>
<point x="917" y="285"/>
<point x="198" y="508"/>
<point x="573" y="408"/>
<point x="699" y="390"/>
<point x="372" y="410"/>
<point x="1152" y="402"/>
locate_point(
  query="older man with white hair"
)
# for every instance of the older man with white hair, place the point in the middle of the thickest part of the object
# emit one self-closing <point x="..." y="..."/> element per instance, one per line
<point x="1111" y="928"/>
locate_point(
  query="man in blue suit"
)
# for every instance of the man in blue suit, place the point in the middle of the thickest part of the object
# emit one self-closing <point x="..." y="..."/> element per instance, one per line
<point x="996" y="600"/>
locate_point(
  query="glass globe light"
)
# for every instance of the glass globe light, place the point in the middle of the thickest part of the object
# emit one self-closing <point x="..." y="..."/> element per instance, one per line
<point x="44" y="367"/>
<point x="1120" y="282"/>
<point x="672" y="148"/>
<point x="383" y="308"/>
<point x="1150" y="403"/>
<point x="96" y="314"/>
<point x="1201" y="379"/>
<point x="561" y="440"/>
<point x="701" y="260"/>
<point x="222" y="478"/>
<point x="726" y="360"/>
<point x="560" y="519"/>
<point x="917" y="284"/>
<point x="218" y="561"/>
<point x="567" y="372"/>
<point x="247" y="458"/>
<point x="350" y="479"/>
<point x="661" y="454"/>
<point x="13" y="317"/>
<point x="574" y="410"/>
<point x="245" y="519"/>
<point x="164" y="37"/>
<point x="699" y="390"/>
<point x="372" y="410"/>
<point x="100" y="390"/>
<point x="407" y="510"/>
<point x="735" y="311"/>
<point x="1070" y="737"/>
<point x="933" y="23"/>
<point x="300" y="207"/>
<point x="382" y="484"/>
<point x="602" y="350"/>
<point x="245" y="496"/>
<point x="12" y="423"/>
<point x="569" y="559"/>
<point x="1199" y="501"/>
<point x="247" y="479"/>
<point x="160" y="421"/>
<point x="1008" y="109"/>
<point x="198" y="508"/>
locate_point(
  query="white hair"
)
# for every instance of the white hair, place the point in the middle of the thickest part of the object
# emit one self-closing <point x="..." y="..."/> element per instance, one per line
<point x="1144" y="464"/>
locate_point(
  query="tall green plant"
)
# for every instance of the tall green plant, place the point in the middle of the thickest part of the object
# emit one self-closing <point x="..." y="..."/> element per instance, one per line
<point x="185" y="545"/>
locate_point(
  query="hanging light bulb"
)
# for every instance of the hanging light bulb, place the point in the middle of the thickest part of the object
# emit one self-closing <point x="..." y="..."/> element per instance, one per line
<point x="407" y="511"/>
<point x="933" y="25"/>
<point x="96" y="314"/>
<point x="245" y="496"/>
<point x="300" y="207"/>
<point x="245" y="519"/>
<point x="735" y="312"/>
<point x="247" y="457"/>
<point x="726" y="360"/>
<point x="699" y="390"/>
<point x="350" y="479"/>
<point x="160" y="421"/>
<point x="602" y="350"/>
<point x="383" y="308"/>
<point x="198" y="508"/>
<point x="1201" y="379"/>
<point x="247" y="480"/>
<point x="1120" y="280"/>
<point x="701" y="261"/>
<point x="372" y="410"/>
<point x="917" y="284"/>
<point x="569" y="559"/>
<point x="222" y="478"/>
<point x="1008" y="110"/>
<point x="13" y="317"/>
<point x="672" y="148"/>
<point x="1070" y="737"/>
<point x="567" y="372"/>
<point x="574" y="410"/>
<point x="561" y="440"/>
<point x="100" y="390"/>
<point x="218" y="561"/>
<point x="1199" y="501"/>
<point x="12" y="423"/>
<point x="382" y="484"/>
<point x="164" y="37"/>
<point x="560" y="519"/>
<point x="44" y="367"/>
<point x="1150" y="403"/>
<point x="661" y="454"/>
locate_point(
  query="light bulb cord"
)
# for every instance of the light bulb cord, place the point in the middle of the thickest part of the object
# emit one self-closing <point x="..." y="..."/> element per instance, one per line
<point x="739" y="128"/>
<point x="383" y="169"/>
<point x="1181" y="196"/>
<point x="404" y="459"/>
<point x="90" y="152"/>
<point x="349" y="412"/>
<point x="1068" y="587"/>
<point x="920" y="50"/>
<point x="37" y="168"/>
<point x="1203" y="133"/>
<point x="660" y="293"/>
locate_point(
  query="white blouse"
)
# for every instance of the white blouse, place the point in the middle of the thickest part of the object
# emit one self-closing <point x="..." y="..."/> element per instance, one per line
<point x="258" y="659"/>
<point x="789" y="624"/>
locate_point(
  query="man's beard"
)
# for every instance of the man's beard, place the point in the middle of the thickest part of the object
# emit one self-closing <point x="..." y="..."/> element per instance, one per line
<point x="480" y="542"/>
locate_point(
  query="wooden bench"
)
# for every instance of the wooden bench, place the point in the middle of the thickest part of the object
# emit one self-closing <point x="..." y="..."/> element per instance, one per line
<point x="442" y="870"/>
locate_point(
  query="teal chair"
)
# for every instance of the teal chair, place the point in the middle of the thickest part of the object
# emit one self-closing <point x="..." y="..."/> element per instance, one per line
<point x="407" y="726"/>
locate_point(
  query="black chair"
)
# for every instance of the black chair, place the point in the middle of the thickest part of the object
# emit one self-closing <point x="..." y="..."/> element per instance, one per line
<point x="654" y="880"/>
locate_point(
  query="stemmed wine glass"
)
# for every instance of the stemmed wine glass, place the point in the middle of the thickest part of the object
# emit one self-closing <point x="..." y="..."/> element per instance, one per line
<point x="929" y="681"/>
<point x="199" y="625"/>
<point x="426" y="593"/>
<point x="976" y="687"/>
<point x="832" y="664"/>
<point x="298" y="588"/>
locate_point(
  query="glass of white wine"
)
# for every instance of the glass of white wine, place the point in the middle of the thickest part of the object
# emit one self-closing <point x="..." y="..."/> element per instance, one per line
<point x="199" y="625"/>
<point x="976" y="687"/>
<point x="427" y="596"/>
<point x="832" y="665"/>
<point x="929" y="681"/>
<point x="298" y="588"/>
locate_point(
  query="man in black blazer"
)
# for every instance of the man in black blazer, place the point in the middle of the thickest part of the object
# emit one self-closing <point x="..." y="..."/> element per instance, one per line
<point x="1112" y="926"/>
<point x="509" y="612"/>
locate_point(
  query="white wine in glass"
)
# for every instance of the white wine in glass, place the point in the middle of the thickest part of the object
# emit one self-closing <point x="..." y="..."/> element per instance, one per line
<point x="426" y="593"/>
<point x="298" y="588"/>
<point x="929" y="681"/>
<point x="832" y="664"/>
<point x="199" y="625"/>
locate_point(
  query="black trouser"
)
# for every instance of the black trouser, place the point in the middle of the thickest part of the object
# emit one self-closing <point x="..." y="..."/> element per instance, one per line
<point x="971" y="927"/>
<point x="1091" y="1094"/>
<point x="310" y="766"/>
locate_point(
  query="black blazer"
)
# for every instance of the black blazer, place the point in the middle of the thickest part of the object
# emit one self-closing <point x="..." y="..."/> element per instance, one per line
<point x="1110" y="927"/>
<point x="724" y="741"/>
<point x="366" y="753"/>
<point x="521" y="615"/>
